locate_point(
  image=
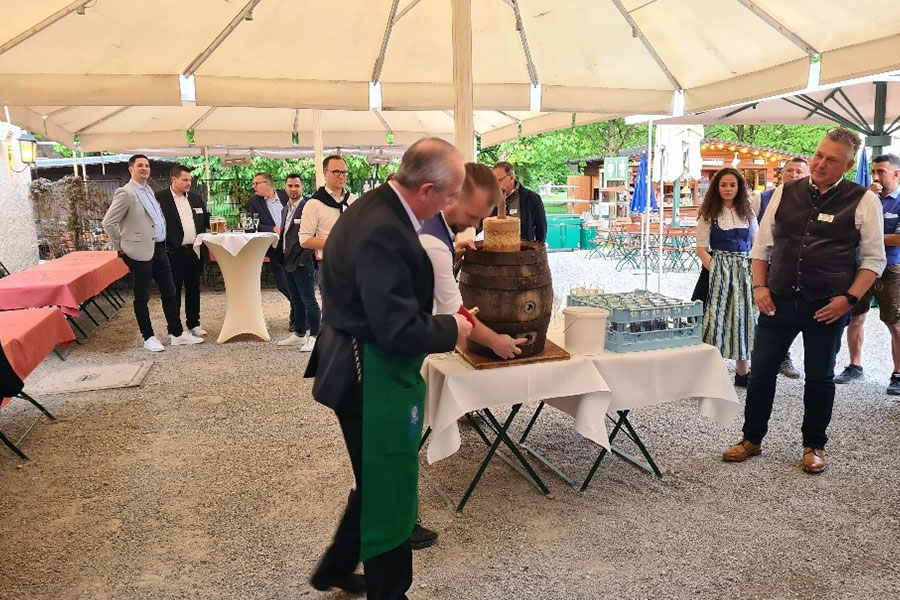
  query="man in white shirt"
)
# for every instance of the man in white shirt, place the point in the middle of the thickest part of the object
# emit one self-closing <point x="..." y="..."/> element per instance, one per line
<point x="137" y="230"/>
<point x="479" y="197"/>
<point x="186" y="216"/>
<point x="808" y="272"/>
<point x="325" y="206"/>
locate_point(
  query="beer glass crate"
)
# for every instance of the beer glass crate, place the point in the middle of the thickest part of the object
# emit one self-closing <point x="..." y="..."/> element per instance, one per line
<point x="643" y="320"/>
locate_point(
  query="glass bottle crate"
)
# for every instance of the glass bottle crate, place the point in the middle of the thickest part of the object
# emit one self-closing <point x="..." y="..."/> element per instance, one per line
<point x="643" y="320"/>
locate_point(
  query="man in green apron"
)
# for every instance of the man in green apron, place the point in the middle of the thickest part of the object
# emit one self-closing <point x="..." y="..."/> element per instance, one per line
<point x="377" y="287"/>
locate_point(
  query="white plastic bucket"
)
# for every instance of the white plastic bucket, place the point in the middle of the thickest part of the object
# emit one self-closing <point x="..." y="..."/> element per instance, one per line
<point x="585" y="329"/>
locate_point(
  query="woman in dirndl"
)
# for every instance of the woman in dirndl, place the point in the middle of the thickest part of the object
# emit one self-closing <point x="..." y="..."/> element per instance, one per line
<point x="726" y="229"/>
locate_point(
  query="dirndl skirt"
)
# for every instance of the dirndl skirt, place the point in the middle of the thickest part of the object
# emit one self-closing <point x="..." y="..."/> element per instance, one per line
<point x="729" y="317"/>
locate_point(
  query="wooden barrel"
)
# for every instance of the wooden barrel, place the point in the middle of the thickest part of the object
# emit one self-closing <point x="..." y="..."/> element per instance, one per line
<point x="513" y="292"/>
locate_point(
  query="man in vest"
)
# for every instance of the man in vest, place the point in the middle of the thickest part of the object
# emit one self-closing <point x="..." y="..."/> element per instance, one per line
<point x="806" y="278"/>
<point x="321" y="212"/>
<point x="794" y="169"/>
<point x="886" y="290"/>
<point x="522" y="203"/>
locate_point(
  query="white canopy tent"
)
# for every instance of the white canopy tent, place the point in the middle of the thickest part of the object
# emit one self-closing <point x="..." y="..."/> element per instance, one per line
<point x="607" y="56"/>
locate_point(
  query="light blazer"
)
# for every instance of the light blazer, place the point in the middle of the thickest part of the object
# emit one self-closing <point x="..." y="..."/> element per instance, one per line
<point x="129" y="225"/>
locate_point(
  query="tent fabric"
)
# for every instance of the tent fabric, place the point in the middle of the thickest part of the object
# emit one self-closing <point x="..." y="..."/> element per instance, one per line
<point x="607" y="56"/>
<point x="124" y="128"/>
<point x="785" y="110"/>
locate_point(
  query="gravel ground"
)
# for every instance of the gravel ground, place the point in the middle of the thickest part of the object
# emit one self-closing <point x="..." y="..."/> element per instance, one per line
<point x="220" y="478"/>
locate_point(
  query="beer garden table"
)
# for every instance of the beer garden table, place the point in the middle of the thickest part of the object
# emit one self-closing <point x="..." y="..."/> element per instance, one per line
<point x="71" y="282"/>
<point x="27" y="337"/>
<point x="455" y="388"/>
<point x="240" y="257"/>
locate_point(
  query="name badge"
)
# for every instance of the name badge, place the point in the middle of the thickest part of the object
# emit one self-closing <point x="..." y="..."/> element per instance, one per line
<point x="890" y="216"/>
<point x="296" y="221"/>
<point x="513" y="211"/>
<point x="199" y="211"/>
<point x="826" y="218"/>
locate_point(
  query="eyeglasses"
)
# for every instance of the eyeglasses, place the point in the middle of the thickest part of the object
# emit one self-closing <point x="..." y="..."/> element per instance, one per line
<point x="337" y="173"/>
<point x="499" y="179"/>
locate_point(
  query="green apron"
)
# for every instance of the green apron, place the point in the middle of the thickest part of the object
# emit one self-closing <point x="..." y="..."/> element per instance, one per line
<point x="393" y="411"/>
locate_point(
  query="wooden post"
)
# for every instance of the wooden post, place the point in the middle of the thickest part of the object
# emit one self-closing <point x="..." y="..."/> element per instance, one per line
<point x="206" y="174"/>
<point x="318" y="146"/>
<point x="462" y="78"/>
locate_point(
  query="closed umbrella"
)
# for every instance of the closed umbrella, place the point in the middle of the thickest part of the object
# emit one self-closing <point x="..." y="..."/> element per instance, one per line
<point x="863" y="177"/>
<point x="639" y="196"/>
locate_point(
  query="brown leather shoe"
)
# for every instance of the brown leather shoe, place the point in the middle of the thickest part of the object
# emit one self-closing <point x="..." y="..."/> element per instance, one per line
<point x="741" y="451"/>
<point x="813" y="460"/>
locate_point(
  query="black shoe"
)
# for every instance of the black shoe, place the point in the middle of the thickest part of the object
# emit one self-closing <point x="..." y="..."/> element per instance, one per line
<point x="893" y="388"/>
<point x="354" y="584"/>
<point x="422" y="538"/>
<point x="741" y="380"/>
<point x="787" y="368"/>
<point x="849" y="373"/>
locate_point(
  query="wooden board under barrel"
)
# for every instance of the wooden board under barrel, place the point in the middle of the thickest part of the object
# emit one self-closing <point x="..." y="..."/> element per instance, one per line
<point x="513" y="291"/>
<point x="550" y="352"/>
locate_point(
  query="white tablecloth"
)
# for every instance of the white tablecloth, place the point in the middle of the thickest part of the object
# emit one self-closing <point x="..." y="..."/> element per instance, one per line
<point x="455" y="388"/>
<point x="231" y="242"/>
<point x="653" y="377"/>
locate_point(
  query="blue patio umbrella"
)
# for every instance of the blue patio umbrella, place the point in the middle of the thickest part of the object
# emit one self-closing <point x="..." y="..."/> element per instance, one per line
<point x="863" y="177"/>
<point x="639" y="197"/>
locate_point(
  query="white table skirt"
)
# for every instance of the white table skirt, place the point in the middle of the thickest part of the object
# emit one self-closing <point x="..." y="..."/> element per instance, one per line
<point x="240" y="257"/>
<point x="456" y="388"/>
<point x="231" y="242"/>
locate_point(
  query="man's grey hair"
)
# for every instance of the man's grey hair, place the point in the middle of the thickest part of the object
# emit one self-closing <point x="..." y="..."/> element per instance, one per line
<point x="507" y="167"/>
<point x="427" y="161"/>
<point x="888" y="158"/>
<point x="846" y="137"/>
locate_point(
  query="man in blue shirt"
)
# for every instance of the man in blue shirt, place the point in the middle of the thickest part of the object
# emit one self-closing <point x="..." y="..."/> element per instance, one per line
<point x="886" y="289"/>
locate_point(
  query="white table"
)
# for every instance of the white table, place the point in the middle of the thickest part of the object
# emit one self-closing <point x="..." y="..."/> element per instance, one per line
<point x="240" y="257"/>
<point x="651" y="378"/>
<point x="455" y="389"/>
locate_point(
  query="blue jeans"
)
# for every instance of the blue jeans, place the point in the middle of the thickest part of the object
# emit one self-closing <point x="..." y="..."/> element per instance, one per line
<point x="305" y="313"/>
<point x="821" y="342"/>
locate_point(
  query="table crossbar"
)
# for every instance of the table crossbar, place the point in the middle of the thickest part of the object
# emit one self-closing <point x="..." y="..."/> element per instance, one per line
<point x="621" y="424"/>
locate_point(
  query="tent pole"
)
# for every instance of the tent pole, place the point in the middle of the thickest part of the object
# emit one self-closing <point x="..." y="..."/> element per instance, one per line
<point x="646" y="216"/>
<point x="206" y="174"/>
<point x="463" y="116"/>
<point x="84" y="174"/>
<point x="660" y="206"/>
<point x="879" y="140"/>
<point x="317" y="145"/>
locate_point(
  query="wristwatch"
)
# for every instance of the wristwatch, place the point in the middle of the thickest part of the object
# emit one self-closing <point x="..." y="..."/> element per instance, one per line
<point x="851" y="299"/>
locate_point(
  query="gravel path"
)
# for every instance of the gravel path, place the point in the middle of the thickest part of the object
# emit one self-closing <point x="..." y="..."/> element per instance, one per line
<point x="220" y="478"/>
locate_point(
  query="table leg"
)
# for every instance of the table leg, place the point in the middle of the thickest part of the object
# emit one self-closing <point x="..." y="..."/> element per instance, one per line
<point x="84" y="309"/>
<point x="77" y="328"/>
<point x="94" y="302"/>
<point x="12" y="446"/>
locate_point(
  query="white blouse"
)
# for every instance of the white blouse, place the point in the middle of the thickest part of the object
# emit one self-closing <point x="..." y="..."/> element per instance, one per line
<point x="728" y="219"/>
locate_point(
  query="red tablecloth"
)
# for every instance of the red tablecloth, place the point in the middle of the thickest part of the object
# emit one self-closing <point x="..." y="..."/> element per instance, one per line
<point x="65" y="282"/>
<point x="28" y="336"/>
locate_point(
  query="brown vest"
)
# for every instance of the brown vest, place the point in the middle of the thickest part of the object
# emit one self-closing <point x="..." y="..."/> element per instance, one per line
<point x="816" y="240"/>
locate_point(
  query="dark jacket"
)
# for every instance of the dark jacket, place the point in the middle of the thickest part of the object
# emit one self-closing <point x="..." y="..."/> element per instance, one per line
<point x="174" y="230"/>
<point x="531" y="214"/>
<point x="257" y="206"/>
<point x="295" y="255"/>
<point x="377" y="286"/>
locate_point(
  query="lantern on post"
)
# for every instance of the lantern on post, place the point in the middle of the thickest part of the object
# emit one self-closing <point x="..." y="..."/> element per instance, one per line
<point x="27" y="149"/>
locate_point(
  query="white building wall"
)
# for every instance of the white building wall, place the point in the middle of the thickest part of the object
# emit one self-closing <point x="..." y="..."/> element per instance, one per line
<point x="18" y="234"/>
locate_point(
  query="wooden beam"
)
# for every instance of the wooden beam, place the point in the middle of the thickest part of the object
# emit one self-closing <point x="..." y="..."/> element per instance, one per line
<point x="379" y="62"/>
<point x="640" y="35"/>
<point x="463" y="102"/>
<point x="317" y="145"/>
<point x="777" y="26"/>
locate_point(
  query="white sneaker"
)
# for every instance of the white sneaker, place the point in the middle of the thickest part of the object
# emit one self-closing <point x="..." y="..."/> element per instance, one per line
<point x="186" y="338"/>
<point x="309" y="345"/>
<point x="293" y="340"/>
<point x="197" y="331"/>
<point x="153" y="345"/>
